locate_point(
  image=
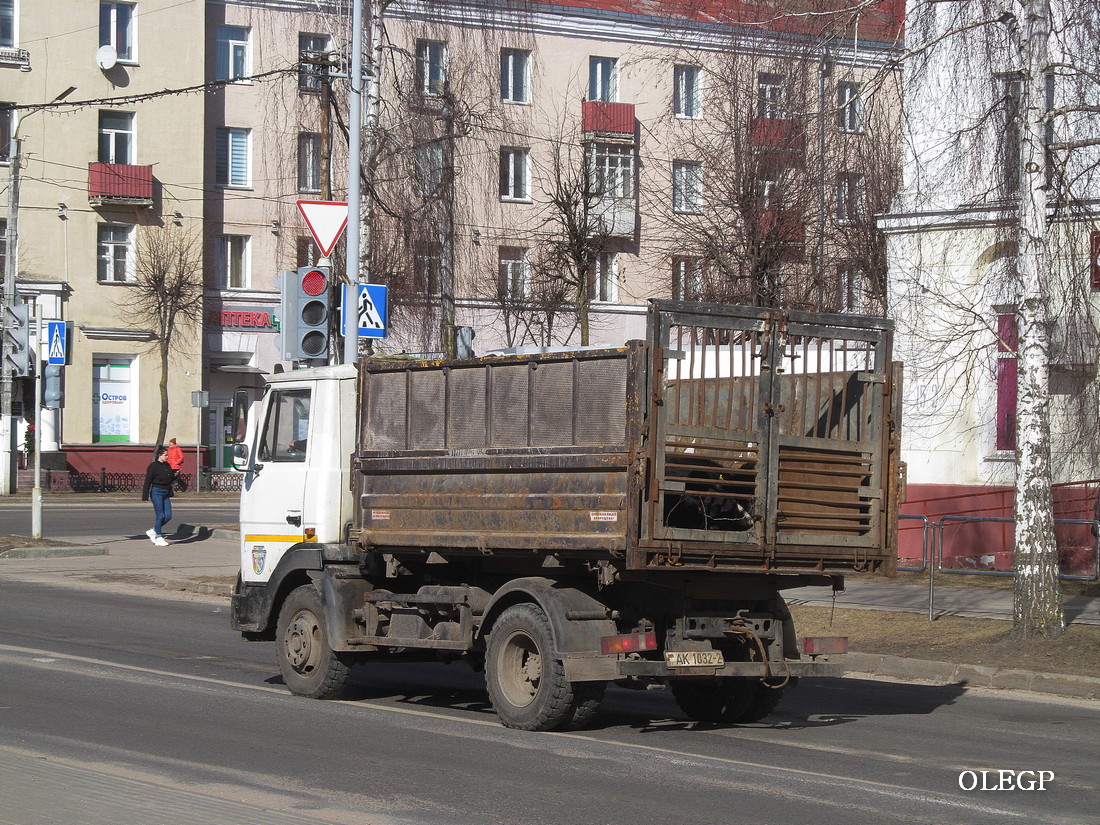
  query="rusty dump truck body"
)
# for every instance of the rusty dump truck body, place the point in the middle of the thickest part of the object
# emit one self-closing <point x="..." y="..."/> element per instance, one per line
<point x="569" y="519"/>
<point x="734" y="439"/>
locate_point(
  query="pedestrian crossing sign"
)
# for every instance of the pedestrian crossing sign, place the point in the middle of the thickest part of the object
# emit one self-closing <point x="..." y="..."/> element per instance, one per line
<point x="57" y="336"/>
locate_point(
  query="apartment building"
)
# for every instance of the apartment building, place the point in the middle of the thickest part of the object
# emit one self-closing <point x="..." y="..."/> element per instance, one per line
<point x="539" y="171"/>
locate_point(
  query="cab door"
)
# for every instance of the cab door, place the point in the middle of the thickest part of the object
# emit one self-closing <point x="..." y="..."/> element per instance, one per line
<point x="275" y="481"/>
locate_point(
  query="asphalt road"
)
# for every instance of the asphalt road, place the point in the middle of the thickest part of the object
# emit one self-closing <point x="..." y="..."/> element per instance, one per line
<point x="111" y="705"/>
<point x="72" y="518"/>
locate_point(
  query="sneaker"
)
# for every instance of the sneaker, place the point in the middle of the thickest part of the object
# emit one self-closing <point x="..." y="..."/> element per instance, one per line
<point x="160" y="541"/>
<point x="152" y="534"/>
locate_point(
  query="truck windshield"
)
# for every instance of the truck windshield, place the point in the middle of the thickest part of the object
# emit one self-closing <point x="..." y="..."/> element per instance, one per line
<point x="287" y="426"/>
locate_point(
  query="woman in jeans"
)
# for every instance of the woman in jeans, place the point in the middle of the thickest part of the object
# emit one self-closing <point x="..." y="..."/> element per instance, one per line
<point x="159" y="478"/>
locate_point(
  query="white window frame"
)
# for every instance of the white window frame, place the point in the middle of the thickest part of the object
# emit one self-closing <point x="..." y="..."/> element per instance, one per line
<point x="428" y="270"/>
<point x="430" y="162"/>
<point x="687" y="100"/>
<point x="310" y="75"/>
<point x="126" y="45"/>
<point x="851" y="294"/>
<point x="849" y="116"/>
<point x="603" y="79"/>
<point x="515" y="174"/>
<point x="431" y="67"/>
<point x="112" y="135"/>
<point x="612" y="166"/>
<point x="771" y="95"/>
<point x="309" y="162"/>
<point x="108" y="258"/>
<point x="116" y="368"/>
<point x="849" y="197"/>
<point x="513" y="90"/>
<point x="234" y="261"/>
<point x="514" y="267"/>
<point x="8" y="12"/>
<point x="604" y="286"/>
<point x="687" y="186"/>
<point x="233" y="60"/>
<point x="230" y="148"/>
<point x="687" y="277"/>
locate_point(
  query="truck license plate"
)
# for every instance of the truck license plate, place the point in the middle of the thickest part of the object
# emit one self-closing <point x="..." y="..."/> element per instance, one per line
<point x="694" y="658"/>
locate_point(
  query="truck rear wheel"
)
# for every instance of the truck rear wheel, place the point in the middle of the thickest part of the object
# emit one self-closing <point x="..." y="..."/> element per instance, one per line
<point x="526" y="681"/>
<point x="724" y="699"/>
<point x="309" y="666"/>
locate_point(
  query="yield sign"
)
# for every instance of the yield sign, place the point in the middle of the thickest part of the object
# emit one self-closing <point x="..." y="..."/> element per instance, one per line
<point x="326" y="221"/>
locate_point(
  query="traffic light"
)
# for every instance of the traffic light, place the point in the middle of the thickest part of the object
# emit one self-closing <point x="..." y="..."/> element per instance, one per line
<point x="20" y="350"/>
<point x="305" y="310"/>
<point x="53" y="394"/>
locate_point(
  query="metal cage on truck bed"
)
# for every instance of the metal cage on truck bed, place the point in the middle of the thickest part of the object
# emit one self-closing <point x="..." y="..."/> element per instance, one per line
<point x="734" y="438"/>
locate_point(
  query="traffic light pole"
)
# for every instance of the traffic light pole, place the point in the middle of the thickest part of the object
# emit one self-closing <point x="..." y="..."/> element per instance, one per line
<point x="11" y="270"/>
<point x="36" y="492"/>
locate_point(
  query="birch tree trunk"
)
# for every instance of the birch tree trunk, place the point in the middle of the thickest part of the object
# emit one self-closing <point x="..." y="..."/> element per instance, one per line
<point x="1037" y="598"/>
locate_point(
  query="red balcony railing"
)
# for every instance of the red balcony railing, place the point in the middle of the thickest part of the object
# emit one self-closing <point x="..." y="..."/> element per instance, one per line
<point x="607" y="118"/>
<point x="779" y="133"/>
<point x="783" y="226"/>
<point x="120" y="183"/>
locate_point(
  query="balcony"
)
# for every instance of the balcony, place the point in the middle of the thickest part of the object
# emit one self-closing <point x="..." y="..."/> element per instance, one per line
<point x="785" y="134"/>
<point x="614" y="120"/>
<point x="782" y="226"/>
<point x="20" y="58"/>
<point x="120" y="184"/>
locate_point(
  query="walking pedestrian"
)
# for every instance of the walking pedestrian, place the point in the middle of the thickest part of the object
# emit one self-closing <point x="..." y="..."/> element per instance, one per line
<point x="159" y="478"/>
<point x="175" y="455"/>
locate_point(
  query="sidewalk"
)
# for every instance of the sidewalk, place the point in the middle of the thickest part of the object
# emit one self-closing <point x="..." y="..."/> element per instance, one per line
<point x="206" y="561"/>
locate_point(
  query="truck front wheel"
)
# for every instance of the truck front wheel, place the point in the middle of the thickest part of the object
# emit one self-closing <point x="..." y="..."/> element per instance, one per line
<point x="526" y="681"/>
<point x="309" y="666"/>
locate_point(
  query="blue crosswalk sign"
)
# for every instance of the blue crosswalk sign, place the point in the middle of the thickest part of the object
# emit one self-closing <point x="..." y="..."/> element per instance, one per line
<point x="369" y="310"/>
<point x="56" y="338"/>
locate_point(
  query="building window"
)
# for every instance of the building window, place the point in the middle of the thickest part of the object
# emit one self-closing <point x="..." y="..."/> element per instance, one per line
<point x="1006" y="382"/>
<point x="515" y="167"/>
<point x="116" y="137"/>
<point x="306" y="252"/>
<point x="116" y="254"/>
<point x="113" y="401"/>
<point x="232" y="165"/>
<point x="602" y="286"/>
<point x="309" y="162"/>
<point x="849" y="107"/>
<point x="7" y="22"/>
<point x="514" y="272"/>
<point x="1011" y="90"/>
<point x="687" y="186"/>
<point x="613" y="170"/>
<point x="849" y="197"/>
<point x="687" y="278"/>
<point x="232" y="56"/>
<point x="7" y="123"/>
<point x="232" y="262"/>
<point x="849" y="288"/>
<point x="685" y="92"/>
<point x="313" y="64"/>
<point x="3" y="247"/>
<point x="116" y="29"/>
<point x="514" y="76"/>
<point x="771" y="98"/>
<point x="429" y="159"/>
<point x="603" y="79"/>
<point x="431" y="67"/>
<point x="427" y="267"/>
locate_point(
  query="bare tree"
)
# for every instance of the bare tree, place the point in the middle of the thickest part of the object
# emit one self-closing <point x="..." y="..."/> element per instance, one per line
<point x="166" y="296"/>
<point x="1001" y="134"/>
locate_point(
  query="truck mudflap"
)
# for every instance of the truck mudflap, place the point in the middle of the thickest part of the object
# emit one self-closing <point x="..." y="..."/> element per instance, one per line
<point x="252" y="606"/>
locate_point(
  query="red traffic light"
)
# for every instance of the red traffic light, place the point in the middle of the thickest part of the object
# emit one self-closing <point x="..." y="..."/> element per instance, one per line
<point x="314" y="281"/>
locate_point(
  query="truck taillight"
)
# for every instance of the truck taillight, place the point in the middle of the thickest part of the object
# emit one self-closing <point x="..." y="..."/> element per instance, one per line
<point x="628" y="642"/>
<point x="824" y="645"/>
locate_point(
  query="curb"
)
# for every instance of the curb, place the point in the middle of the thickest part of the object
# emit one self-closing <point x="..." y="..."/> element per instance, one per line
<point x="52" y="552"/>
<point x="877" y="665"/>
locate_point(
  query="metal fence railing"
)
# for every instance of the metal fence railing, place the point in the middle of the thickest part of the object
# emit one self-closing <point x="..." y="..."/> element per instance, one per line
<point x="111" y="482"/>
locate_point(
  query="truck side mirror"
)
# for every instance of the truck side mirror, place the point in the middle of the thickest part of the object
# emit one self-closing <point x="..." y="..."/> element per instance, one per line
<point x="240" y="457"/>
<point x="240" y="417"/>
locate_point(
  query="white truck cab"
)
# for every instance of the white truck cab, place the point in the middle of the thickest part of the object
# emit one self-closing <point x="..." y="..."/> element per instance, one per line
<point x="296" y="459"/>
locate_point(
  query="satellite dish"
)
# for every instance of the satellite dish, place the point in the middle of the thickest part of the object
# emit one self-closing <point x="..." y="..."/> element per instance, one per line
<point x="106" y="57"/>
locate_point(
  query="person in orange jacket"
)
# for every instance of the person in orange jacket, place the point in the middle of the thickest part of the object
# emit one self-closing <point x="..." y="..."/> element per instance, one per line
<point x="175" y="455"/>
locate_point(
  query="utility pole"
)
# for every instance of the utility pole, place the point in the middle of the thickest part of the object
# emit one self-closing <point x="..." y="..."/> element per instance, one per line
<point x="355" y="206"/>
<point x="11" y="270"/>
